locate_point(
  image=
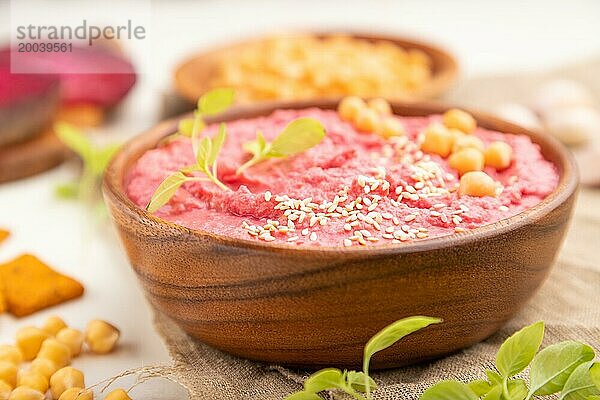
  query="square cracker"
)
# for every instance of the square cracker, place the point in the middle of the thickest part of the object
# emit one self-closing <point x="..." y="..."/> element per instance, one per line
<point x="30" y="285"/>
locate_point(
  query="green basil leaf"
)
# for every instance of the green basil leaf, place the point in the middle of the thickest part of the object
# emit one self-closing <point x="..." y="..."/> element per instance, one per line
<point x="99" y="159"/>
<point x="390" y="335"/>
<point x="204" y="152"/>
<point x="74" y="139"/>
<point x="551" y="368"/>
<point x="198" y="127"/>
<point x="595" y="374"/>
<point x="493" y="377"/>
<point x="517" y="389"/>
<point x="356" y="380"/>
<point x="593" y="398"/>
<point x="325" y="379"/>
<point x="480" y="387"/>
<point x="185" y="127"/>
<point x="517" y="351"/>
<point x="217" y="144"/>
<point x="67" y="190"/>
<point x="580" y="386"/>
<point x="304" y="395"/>
<point x="299" y="135"/>
<point x="215" y="101"/>
<point x="449" y="390"/>
<point x="494" y="394"/>
<point x="165" y="191"/>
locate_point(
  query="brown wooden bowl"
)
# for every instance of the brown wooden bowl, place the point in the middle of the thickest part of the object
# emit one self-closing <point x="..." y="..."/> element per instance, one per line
<point x="318" y="306"/>
<point x="192" y="75"/>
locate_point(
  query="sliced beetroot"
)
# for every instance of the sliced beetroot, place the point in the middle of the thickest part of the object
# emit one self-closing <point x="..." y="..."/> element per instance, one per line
<point x="110" y="81"/>
<point x="28" y="103"/>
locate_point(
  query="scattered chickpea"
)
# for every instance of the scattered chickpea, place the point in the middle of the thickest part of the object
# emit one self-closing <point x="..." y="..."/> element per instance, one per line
<point x="65" y="378"/>
<point x="73" y="338"/>
<point x="43" y="366"/>
<point x="459" y="119"/>
<point x="466" y="160"/>
<point x="498" y="155"/>
<point x="478" y="184"/>
<point x="11" y="354"/>
<point x="8" y="373"/>
<point x="26" y="393"/>
<point x="117" y="394"/>
<point x="391" y="127"/>
<point x="367" y="120"/>
<point x="77" y="393"/>
<point x="5" y="390"/>
<point x="464" y="141"/>
<point x="32" y="380"/>
<point x="350" y="107"/>
<point x="53" y="325"/>
<point x="56" y="352"/>
<point x="380" y="106"/>
<point x="29" y="341"/>
<point x="438" y="140"/>
<point x="101" y="336"/>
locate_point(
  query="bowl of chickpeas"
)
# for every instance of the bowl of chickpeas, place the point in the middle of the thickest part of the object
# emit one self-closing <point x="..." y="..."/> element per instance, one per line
<point x="305" y="66"/>
<point x="402" y="209"/>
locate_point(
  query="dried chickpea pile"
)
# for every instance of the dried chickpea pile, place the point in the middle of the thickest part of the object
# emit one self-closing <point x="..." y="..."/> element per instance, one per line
<point x="452" y="139"/>
<point x="299" y="67"/>
<point x="48" y="352"/>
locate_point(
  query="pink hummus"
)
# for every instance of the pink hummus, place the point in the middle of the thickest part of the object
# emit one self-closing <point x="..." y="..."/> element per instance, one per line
<point x="352" y="189"/>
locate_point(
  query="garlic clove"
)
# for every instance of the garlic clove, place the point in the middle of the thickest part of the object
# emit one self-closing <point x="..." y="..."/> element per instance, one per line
<point x="519" y="114"/>
<point x="574" y="126"/>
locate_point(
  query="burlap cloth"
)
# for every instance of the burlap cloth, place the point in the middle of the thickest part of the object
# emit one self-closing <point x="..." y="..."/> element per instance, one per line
<point x="568" y="301"/>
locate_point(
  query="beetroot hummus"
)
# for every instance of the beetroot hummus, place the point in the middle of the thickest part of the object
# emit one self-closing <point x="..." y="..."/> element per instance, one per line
<point x="352" y="189"/>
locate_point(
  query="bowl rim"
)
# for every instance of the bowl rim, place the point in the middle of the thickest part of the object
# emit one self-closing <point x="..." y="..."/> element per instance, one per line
<point x="113" y="184"/>
<point x="441" y="80"/>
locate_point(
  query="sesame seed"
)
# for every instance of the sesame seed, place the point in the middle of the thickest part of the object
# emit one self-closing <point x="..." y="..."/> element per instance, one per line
<point x="347" y="227"/>
<point x="313" y="236"/>
<point x="292" y="238"/>
<point x="347" y="242"/>
<point x="268" y="196"/>
<point x="503" y="208"/>
<point x="410" y="217"/>
<point x="304" y="231"/>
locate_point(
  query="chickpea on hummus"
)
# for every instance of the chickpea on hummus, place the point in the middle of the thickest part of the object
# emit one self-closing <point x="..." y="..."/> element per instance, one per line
<point x="376" y="178"/>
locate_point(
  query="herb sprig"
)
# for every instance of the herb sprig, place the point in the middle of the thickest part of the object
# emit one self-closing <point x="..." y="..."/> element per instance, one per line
<point x="359" y="385"/>
<point x="566" y="368"/>
<point x="95" y="160"/>
<point x="299" y="135"/>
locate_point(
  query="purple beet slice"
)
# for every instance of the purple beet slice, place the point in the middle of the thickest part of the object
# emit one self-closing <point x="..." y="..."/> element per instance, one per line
<point x="106" y="86"/>
<point x="28" y="104"/>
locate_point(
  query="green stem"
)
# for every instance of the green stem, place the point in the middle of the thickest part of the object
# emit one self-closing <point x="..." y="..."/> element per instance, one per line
<point x="216" y="181"/>
<point x="505" y="387"/>
<point x="366" y="372"/>
<point x="253" y="161"/>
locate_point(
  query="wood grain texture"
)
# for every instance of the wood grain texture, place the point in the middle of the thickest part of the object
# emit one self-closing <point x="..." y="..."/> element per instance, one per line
<point x="31" y="157"/>
<point x="192" y="76"/>
<point x="318" y="307"/>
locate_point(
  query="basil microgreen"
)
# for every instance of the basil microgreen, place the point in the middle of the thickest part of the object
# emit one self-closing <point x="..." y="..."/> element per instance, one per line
<point x="299" y="135"/>
<point x="552" y="366"/>
<point x="95" y="160"/>
<point x="580" y="384"/>
<point x="206" y="163"/>
<point x="565" y="367"/>
<point x="359" y="385"/>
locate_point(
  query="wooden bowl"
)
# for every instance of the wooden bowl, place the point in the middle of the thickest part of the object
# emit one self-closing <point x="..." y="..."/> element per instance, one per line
<point x="316" y="307"/>
<point x="192" y="76"/>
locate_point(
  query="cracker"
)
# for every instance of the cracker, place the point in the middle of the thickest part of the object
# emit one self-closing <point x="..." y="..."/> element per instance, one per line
<point x="30" y="285"/>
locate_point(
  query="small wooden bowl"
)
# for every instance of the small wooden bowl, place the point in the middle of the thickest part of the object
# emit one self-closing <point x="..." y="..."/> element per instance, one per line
<point x="315" y="307"/>
<point x="192" y="76"/>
